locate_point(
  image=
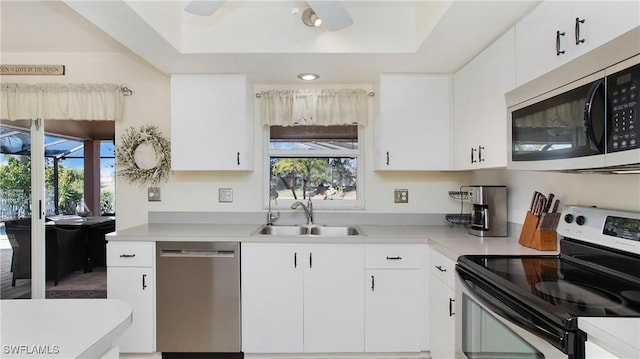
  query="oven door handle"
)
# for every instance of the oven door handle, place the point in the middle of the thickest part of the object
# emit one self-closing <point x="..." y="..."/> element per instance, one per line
<point x="506" y="308"/>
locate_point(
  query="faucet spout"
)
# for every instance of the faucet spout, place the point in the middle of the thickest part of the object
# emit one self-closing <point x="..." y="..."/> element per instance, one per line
<point x="308" y="209"/>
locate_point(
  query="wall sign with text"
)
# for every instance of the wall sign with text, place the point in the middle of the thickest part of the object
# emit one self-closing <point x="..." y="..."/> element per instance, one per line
<point x="32" y="69"/>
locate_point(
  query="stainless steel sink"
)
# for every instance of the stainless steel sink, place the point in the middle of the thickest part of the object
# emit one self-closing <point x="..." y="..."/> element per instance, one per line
<point x="283" y="230"/>
<point x="334" y="231"/>
<point x="312" y="230"/>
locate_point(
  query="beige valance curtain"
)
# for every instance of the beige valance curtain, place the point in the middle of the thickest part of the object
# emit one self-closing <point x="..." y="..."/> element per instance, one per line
<point x="20" y="101"/>
<point x="314" y="107"/>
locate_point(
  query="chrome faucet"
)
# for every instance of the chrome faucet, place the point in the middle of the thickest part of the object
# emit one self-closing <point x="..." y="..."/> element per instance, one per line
<point x="270" y="215"/>
<point x="308" y="209"/>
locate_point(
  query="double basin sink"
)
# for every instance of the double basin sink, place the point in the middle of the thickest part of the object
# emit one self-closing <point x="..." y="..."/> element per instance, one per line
<point x="309" y="230"/>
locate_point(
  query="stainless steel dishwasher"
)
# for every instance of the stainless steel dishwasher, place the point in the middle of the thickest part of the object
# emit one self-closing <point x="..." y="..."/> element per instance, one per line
<point x="198" y="297"/>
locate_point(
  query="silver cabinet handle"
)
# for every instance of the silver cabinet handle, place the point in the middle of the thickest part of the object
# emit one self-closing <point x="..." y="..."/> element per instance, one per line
<point x="558" y="51"/>
<point x="124" y="255"/>
<point x="577" y="31"/>
<point x="441" y="269"/>
<point x="196" y="253"/>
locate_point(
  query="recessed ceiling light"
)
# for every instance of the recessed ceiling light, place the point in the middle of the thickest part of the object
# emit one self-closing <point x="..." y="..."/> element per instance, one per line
<point x="308" y="76"/>
<point x="310" y="18"/>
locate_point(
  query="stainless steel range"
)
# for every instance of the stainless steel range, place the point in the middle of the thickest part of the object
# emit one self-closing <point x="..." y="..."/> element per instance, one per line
<point x="532" y="306"/>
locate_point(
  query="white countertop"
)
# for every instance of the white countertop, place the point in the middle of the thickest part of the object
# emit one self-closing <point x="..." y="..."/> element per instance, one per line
<point x="620" y="336"/>
<point x="61" y="328"/>
<point x="452" y="242"/>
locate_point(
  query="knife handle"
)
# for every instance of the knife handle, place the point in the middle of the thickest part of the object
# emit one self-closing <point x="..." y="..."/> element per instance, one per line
<point x="549" y="202"/>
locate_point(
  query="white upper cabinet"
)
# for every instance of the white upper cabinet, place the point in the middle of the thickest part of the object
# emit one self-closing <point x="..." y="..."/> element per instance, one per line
<point x="479" y="107"/>
<point x="412" y="130"/>
<point x="556" y="32"/>
<point x="211" y="126"/>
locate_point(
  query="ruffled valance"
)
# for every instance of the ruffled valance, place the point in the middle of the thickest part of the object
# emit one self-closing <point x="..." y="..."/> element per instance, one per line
<point x="20" y="101"/>
<point x="314" y="107"/>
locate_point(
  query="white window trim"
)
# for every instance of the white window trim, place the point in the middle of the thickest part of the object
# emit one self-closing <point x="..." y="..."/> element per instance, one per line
<point x="325" y="204"/>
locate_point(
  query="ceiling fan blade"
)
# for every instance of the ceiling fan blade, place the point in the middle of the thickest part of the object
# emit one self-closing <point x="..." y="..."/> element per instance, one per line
<point x="203" y="7"/>
<point x="334" y="16"/>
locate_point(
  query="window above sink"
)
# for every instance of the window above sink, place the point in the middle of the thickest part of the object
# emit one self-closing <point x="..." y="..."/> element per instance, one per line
<point x="320" y="162"/>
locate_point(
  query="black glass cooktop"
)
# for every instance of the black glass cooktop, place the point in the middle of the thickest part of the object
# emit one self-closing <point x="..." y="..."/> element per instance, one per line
<point x="561" y="285"/>
<point x="583" y="281"/>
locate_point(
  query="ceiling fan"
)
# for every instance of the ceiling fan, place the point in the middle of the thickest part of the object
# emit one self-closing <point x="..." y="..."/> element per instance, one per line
<point x="333" y="14"/>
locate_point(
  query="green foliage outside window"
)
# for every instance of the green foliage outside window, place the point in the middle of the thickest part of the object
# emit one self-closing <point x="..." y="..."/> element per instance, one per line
<point x="326" y="178"/>
<point x="15" y="186"/>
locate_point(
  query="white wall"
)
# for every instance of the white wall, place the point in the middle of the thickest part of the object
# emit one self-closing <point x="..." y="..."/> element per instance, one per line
<point x="149" y="104"/>
<point x="198" y="191"/>
<point x="195" y="191"/>
<point x="605" y="191"/>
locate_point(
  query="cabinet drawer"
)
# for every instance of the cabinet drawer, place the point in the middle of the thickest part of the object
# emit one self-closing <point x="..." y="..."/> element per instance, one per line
<point x="130" y="254"/>
<point x="395" y="256"/>
<point x="443" y="267"/>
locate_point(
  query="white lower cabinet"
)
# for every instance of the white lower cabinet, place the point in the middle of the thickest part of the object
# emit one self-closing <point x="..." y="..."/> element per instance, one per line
<point x="442" y="306"/>
<point x="131" y="277"/>
<point x="302" y="298"/>
<point x="334" y="298"/>
<point x="392" y="322"/>
<point x="396" y="309"/>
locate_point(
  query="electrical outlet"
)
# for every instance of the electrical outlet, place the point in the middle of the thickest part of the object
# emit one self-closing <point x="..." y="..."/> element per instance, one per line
<point x="225" y="195"/>
<point x="401" y="196"/>
<point x="153" y="194"/>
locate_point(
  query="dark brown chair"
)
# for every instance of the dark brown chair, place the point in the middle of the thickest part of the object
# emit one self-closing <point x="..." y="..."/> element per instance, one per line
<point x="20" y="240"/>
<point x="68" y="254"/>
<point x="97" y="243"/>
<point x="63" y="251"/>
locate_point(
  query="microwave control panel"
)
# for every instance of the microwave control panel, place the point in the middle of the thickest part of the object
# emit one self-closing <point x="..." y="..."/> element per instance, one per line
<point x="623" y="90"/>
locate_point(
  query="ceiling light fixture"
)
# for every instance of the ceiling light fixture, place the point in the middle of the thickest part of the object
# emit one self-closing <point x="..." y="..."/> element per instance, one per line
<point x="308" y="76"/>
<point x="310" y="18"/>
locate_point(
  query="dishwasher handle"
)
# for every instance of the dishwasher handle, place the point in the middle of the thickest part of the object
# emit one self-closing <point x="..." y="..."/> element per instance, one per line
<point x="197" y="253"/>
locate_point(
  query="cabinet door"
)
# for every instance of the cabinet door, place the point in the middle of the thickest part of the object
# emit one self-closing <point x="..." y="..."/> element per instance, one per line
<point x="480" y="111"/>
<point x="272" y="315"/>
<point x="136" y="286"/>
<point x="413" y="124"/>
<point x="210" y="123"/>
<point x="393" y="301"/>
<point x="536" y="40"/>
<point x="603" y="21"/>
<point x="334" y="298"/>
<point x="442" y="323"/>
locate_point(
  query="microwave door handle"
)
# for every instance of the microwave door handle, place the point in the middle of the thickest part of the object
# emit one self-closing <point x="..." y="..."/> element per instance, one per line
<point x="588" y="115"/>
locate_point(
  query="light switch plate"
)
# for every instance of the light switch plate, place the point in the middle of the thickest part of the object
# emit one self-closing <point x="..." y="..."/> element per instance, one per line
<point x="225" y="195"/>
<point x="401" y="196"/>
<point x="153" y="194"/>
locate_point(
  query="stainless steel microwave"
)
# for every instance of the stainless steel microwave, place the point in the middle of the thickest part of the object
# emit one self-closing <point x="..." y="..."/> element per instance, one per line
<point x="588" y="124"/>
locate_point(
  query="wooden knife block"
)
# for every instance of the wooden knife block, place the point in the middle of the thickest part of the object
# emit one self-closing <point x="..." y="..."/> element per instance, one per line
<point x="533" y="238"/>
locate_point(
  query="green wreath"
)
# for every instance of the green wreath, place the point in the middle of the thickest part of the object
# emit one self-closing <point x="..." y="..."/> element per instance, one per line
<point x="126" y="161"/>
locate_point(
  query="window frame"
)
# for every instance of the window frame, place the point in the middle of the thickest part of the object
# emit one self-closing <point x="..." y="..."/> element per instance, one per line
<point x="281" y="203"/>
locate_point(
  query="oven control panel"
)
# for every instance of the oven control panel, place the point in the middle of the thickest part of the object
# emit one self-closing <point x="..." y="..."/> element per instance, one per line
<point x="605" y="227"/>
